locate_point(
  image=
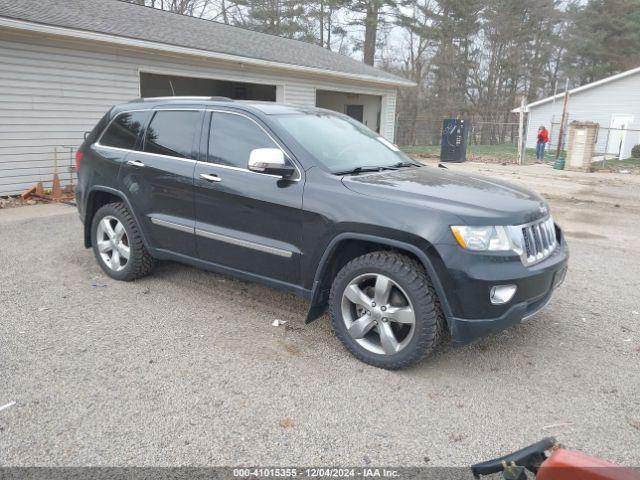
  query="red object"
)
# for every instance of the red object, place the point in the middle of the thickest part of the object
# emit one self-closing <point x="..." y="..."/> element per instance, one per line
<point x="79" y="156"/>
<point x="543" y="135"/>
<point x="569" y="465"/>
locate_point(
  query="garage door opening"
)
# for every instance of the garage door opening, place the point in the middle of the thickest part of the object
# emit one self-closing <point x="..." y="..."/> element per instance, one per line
<point x="154" y="85"/>
<point x="364" y="108"/>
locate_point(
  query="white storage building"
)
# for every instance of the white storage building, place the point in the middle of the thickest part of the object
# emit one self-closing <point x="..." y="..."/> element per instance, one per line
<point x="613" y="103"/>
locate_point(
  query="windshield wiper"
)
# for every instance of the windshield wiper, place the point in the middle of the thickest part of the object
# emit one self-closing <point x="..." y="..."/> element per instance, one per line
<point x="406" y="164"/>
<point x="372" y="168"/>
<point x="377" y="168"/>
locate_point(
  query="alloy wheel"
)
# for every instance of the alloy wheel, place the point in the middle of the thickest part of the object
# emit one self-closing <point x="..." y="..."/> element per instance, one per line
<point x="113" y="243"/>
<point x="378" y="314"/>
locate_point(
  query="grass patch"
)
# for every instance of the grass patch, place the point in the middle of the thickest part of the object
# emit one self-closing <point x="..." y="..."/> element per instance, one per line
<point x="626" y="164"/>
<point x="502" y="153"/>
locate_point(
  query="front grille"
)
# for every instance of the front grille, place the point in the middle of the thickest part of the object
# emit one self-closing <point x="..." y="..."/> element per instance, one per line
<point x="538" y="241"/>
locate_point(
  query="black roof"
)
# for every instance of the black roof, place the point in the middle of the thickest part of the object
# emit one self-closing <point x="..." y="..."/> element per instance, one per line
<point x="115" y="17"/>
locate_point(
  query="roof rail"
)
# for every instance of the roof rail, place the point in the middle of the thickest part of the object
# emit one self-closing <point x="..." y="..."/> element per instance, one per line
<point x="185" y="97"/>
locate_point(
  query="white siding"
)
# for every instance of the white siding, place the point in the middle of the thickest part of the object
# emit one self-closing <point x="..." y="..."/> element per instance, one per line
<point x="53" y="90"/>
<point x="296" y="94"/>
<point x="598" y="104"/>
<point x="388" y="116"/>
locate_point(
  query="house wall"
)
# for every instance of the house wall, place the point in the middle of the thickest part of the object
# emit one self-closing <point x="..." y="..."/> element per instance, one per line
<point x="52" y="90"/>
<point x="599" y="104"/>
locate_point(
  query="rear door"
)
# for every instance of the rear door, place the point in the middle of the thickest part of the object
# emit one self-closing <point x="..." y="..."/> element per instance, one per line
<point x="158" y="179"/>
<point x="245" y="220"/>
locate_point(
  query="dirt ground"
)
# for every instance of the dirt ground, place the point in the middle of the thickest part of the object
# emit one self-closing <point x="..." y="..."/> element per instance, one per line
<point x="588" y="205"/>
<point x="185" y="368"/>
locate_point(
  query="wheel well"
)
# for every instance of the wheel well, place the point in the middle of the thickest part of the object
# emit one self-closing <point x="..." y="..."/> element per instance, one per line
<point x="97" y="199"/>
<point x="346" y="251"/>
<point x="343" y="253"/>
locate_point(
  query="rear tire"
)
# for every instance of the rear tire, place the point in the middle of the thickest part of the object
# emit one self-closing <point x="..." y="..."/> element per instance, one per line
<point x="384" y="311"/>
<point x="118" y="245"/>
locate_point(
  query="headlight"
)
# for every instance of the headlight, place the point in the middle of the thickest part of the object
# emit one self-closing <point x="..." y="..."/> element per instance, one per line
<point x="482" y="239"/>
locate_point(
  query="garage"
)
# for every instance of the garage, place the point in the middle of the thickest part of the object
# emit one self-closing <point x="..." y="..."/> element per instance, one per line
<point x="157" y="85"/>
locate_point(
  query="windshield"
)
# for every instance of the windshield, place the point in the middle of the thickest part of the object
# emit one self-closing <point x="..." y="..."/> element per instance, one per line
<point x="341" y="144"/>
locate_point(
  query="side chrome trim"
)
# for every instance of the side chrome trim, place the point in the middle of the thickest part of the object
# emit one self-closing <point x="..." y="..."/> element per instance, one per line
<point x="223" y="238"/>
<point x="174" y="226"/>
<point x="170" y="157"/>
<point x="138" y="152"/>
<point x="243" y="243"/>
<point x="244" y="170"/>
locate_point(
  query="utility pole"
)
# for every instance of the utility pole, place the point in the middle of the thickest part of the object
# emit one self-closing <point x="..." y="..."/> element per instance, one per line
<point x="564" y="118"/>
<point x="521" y="132"/>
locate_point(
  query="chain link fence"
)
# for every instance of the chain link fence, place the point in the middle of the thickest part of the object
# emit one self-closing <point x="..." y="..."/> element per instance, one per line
<point x="488" y="141"/>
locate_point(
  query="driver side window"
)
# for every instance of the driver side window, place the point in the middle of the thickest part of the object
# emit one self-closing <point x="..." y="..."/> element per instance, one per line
<point x="232" y="138"/>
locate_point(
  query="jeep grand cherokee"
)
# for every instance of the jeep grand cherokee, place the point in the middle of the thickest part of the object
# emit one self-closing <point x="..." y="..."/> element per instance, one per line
<point x="312" y="202"/>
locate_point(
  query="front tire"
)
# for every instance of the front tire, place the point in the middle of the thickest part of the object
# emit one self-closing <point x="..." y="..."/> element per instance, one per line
<point x="117" y="244"/>
<point x="384" y="311"/>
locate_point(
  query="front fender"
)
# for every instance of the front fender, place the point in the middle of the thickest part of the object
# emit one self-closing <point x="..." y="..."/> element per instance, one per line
<point x="427" y="256"/>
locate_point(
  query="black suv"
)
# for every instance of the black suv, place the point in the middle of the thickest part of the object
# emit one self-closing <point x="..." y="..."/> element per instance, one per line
<point x="310" y="201"/>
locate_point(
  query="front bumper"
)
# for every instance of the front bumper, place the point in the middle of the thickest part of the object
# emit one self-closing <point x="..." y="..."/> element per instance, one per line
<point x="535" y="287"/>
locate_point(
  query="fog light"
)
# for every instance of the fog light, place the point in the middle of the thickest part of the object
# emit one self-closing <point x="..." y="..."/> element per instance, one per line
<point x="501" y="294"/>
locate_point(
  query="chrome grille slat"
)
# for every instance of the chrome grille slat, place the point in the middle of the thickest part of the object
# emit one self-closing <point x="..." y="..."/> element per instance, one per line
<point x="538" y="241"/>
<point x="534" y="244"/>
<point x="543" y="234"/>
<point x="550" y="235"/>
<point x="538" y="237"/>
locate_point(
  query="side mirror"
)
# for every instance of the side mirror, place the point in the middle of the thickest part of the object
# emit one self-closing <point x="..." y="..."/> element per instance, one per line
<point x="86" y="134"/>
<point x="270" y="161"/>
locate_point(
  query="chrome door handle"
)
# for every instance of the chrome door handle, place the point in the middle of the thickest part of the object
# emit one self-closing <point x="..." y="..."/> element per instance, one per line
<point x="135" y="163"/>
<point x="210" y="177"/>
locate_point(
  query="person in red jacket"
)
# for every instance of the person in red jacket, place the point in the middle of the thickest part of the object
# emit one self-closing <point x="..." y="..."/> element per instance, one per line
<point x="543" y="139"/>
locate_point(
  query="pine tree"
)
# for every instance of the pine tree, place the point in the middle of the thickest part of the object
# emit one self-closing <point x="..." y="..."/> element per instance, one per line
<point x="604" y="39"/>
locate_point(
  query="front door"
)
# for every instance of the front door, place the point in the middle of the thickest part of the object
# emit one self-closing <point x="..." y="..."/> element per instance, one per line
<point x="246" y="221"/>
<point x="158" y="179"/>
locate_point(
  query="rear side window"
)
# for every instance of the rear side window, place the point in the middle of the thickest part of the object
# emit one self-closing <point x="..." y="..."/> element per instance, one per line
<point x="232" y="137"/>
<point x="124" y="130"/>
<point x="171" y="133"/>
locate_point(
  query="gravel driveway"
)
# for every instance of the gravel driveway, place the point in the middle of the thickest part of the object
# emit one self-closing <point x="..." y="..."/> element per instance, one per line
<point x="185" y="367"/>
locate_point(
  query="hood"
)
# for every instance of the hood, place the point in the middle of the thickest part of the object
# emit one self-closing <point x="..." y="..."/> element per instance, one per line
<point x="474" y="198"/>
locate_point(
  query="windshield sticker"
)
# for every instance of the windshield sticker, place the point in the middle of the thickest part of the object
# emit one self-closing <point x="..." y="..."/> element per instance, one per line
<point x="388" y="144"/>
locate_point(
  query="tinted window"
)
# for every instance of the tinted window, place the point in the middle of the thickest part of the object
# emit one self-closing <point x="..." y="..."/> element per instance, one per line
<point x="171" y="133"/>
<point x="232" y="137"/>
<point x="123" y="131"/>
